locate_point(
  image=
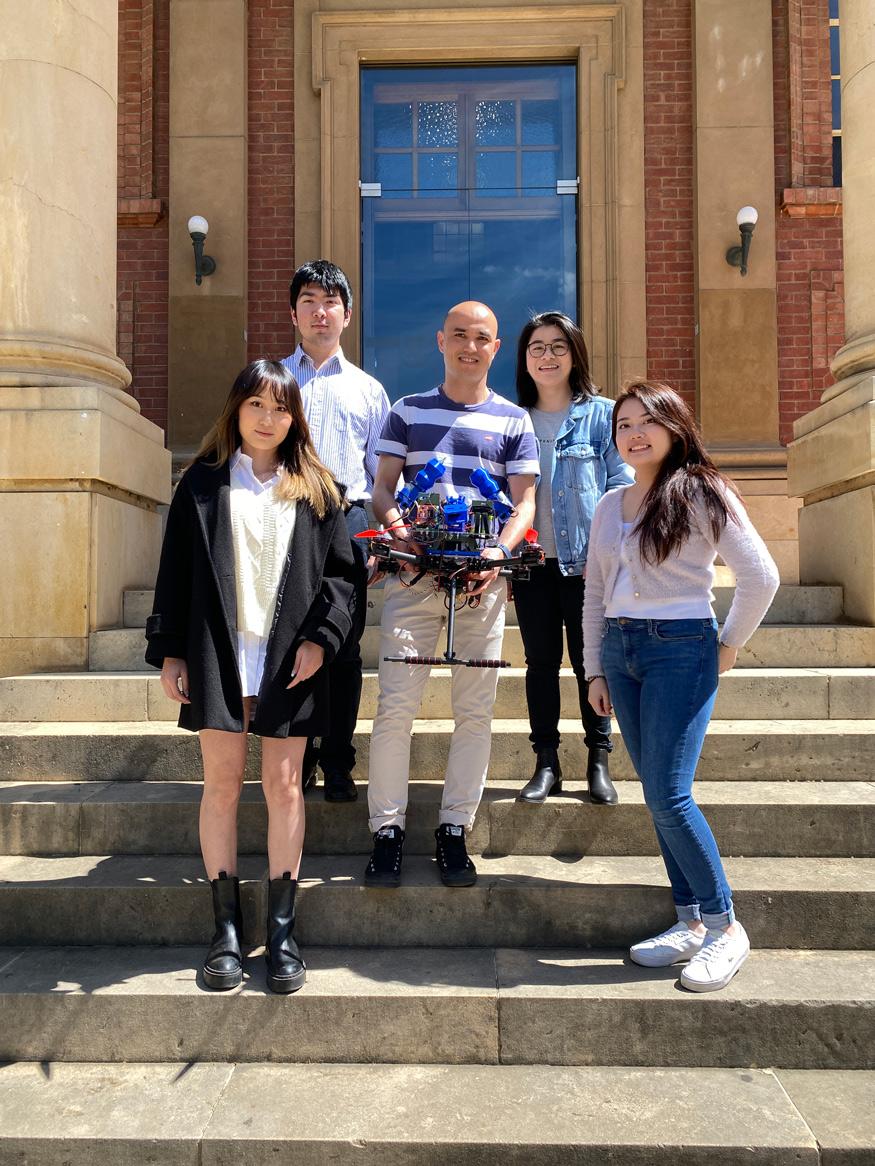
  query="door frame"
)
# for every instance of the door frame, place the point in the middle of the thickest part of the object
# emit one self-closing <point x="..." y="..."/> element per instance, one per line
<point x="605" y="42"/>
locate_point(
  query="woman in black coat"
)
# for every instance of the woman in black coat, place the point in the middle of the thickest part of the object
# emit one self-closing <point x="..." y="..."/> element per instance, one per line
<point x="253" y="596"/>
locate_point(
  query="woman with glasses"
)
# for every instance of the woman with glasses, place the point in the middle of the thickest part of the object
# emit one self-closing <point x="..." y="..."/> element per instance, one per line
<point x="579" y="463"/>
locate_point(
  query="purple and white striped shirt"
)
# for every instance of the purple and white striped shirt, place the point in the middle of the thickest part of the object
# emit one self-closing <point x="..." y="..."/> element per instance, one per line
<point x="495" y="435"/>
<point x="345" y="409"/>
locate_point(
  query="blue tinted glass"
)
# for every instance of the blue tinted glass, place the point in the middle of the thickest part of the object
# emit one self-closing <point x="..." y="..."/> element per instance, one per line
<point x="833" y="9"/>
<point x="539" y="171"/>
<point x="837" y="161"/>
<point x="495" y="123"/>
<point x="393" y="125"/>
<point x="437" y="122"/>
<point x="438" y="174"/>
<point x="394" y="172"/>
<point x="496" y="173"/>
<point x="834" y="59"/>
<point x="837" y="105"/>
<point x="542" y="123"/>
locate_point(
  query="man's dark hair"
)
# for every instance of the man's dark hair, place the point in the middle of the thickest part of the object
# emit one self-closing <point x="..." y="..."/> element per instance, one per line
<point x="326" y="275"/>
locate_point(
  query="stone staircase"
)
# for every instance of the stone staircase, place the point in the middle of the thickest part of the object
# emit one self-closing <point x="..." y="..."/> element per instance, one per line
<point x="490" y="1026"/>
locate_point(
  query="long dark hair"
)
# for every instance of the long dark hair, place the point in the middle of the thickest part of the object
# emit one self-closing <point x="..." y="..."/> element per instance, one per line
<point x="303" y="476"/>
<point x="581" y="385"/>
<point x="686" y="475"/>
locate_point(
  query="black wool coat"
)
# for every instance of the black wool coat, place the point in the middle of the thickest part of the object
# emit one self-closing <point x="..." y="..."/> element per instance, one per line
<point x="195" y="613"/>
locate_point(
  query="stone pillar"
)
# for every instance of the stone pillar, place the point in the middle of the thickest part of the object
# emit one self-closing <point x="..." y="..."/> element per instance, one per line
<point x="208" y="176"/>
<point x="832" y="459"/>
<point x="81" y="472"/>
<point x="737" y="345"/>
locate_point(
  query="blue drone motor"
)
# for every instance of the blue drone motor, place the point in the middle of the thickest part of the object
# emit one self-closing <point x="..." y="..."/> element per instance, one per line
<point x="430" y="473"/>
<point x="491" y="490"/>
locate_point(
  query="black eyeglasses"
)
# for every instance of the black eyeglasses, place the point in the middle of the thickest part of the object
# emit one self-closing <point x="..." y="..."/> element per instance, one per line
<point x="537" y="348"/>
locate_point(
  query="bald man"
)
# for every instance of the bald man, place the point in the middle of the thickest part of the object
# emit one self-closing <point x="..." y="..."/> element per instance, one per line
<point x="468" y="426"/>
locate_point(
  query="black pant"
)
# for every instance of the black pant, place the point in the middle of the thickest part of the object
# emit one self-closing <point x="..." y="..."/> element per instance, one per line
<point x="336" y="749"/>
<point x="543" y="604"/>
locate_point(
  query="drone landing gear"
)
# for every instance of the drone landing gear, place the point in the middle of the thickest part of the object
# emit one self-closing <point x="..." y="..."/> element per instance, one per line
<point x="449" y="658"/>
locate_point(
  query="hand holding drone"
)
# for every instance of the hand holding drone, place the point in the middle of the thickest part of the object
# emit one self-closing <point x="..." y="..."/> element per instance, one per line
<point x="449" y="536"/>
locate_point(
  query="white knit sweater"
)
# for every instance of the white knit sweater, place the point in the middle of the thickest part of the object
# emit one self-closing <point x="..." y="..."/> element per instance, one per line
<point x="687" y="574"/>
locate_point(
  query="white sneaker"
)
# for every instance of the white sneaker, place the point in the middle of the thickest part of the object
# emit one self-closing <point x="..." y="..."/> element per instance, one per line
<point x="718" y="961"/>
<point x="669" y="947"/>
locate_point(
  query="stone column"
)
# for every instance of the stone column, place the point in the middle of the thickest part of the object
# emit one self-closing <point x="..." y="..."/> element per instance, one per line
<point x="737" y="345"/>
<point x="832" y="459"/>
<point x="81" y="472"/>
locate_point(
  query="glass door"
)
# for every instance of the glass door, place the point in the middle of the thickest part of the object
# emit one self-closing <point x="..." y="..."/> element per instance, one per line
<point x="463" y="172"/>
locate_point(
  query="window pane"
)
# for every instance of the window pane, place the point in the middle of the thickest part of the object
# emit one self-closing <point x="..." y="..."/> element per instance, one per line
<point x="834" y="63"/>
<point x="496" y="173"/>
<point x="495" y="123"/>
<point x="437" y="124"/>
<point x="395" y="172"/>
<point x="542" y="121"/>
<point x="833" y="9"/>
<point x="393" y="125"/>
<point x="837" y="161"/>
<point x="837" y="104"/>
<point x="539" y="172"/>
<point x="438" y="174"/>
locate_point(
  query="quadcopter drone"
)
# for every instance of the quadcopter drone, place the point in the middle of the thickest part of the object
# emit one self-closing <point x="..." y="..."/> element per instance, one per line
<point x="451" y="534"/>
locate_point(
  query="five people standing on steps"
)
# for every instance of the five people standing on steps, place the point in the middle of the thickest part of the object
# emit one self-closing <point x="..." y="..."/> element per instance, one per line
<point x="261" y="596"/>
<point x="579" y="463"/>
<point x="345" y="410"/>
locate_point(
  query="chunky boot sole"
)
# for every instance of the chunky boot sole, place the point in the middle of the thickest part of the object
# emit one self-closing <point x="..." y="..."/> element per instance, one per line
<point x="382" y="882"/>
<point x="223" y="981"/>
<point x="459" y="878"/>
<point x="283" y="985"/>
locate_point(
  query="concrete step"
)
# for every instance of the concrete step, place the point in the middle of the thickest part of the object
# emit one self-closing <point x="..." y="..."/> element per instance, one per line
<point x="771" y="646"/>
<point x="792" y="604"/>
<point x="206" y="1114"/>
<point x="799" y="1009"/>
<point x="602" y="902"/>
<point x="745" y="693"/>
<point x="750" y="819"/>
<point x="795" y="750"/>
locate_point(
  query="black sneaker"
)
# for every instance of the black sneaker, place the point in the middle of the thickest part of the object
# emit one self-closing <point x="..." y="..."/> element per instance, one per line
<point x="384" y="869"/>
<point x="457" y="869"/>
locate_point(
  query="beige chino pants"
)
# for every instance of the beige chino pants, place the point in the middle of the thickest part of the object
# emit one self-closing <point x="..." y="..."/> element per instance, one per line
<point x="412" y="623"/>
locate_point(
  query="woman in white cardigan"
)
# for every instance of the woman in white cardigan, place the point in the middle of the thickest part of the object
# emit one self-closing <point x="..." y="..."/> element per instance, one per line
<point x="651" y="651"/>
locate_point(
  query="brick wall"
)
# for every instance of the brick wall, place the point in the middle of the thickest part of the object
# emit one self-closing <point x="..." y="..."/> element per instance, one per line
<point x="668" y="168"/>
<point x="143" y="183"/>
<point x="809" y="228"/>
<point x="271" y="177"/>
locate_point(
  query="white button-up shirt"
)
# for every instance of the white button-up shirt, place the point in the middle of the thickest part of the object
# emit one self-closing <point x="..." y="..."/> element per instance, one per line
<point x="262" y="527"/>
<point x="345" y="409"/>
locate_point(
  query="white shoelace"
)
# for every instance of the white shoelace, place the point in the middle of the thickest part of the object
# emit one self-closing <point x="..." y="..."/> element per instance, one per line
<point x="715" y="948"/>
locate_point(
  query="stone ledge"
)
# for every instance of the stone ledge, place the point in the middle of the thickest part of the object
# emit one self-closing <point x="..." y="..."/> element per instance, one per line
<point x="812" y="202"/>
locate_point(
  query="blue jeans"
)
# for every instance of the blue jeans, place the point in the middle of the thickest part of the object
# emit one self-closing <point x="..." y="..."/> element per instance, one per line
<point x="662" y="678"/>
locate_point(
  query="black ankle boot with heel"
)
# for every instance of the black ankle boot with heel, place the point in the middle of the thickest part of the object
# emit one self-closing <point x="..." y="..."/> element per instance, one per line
<point x="223" y="967"/>
<point x="601" y="788"/>
<point x="546" y="780"/>
<point x="286" y="970"/>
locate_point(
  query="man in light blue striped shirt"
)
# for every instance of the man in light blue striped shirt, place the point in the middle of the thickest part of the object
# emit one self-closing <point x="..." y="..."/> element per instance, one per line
<point x="345" y="410"/>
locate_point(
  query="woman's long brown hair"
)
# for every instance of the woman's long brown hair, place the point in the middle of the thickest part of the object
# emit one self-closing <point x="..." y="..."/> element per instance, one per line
<point x="686" y="475"/>
<point x="303" y="477"/>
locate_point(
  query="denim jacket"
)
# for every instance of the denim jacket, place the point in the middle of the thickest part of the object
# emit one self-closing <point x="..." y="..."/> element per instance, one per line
<point x="585" y="466"/>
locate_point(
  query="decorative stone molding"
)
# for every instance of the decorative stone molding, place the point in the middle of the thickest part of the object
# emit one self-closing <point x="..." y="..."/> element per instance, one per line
<point x="604" y="40"/>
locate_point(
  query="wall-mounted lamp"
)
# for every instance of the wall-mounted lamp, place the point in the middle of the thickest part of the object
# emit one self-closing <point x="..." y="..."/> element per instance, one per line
<point x="203" y="264"/>
<point x="747" y="220"/>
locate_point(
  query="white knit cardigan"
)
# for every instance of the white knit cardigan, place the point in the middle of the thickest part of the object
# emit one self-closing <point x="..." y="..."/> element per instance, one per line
<point x="687" y="574"/>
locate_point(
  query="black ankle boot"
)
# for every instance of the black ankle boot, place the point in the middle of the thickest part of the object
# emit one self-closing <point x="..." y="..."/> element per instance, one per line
<point x="546" y="780"/>
<point x="223" y="967"/>
<point x="286" y="971"/>
<point x="601" y="788"/>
